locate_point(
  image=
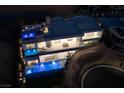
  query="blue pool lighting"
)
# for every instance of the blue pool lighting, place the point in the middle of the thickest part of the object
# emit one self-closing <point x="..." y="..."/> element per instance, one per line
<point x="44" y="66"/>
<point x="53" y="63"/>
<point x="28" y="35"/>
<point x="24" y="36"/>
<point x="31" y="35"/>
<point x="29" y="72"/>
<point x="34" y="50"/>
<point x="30" y="52"/>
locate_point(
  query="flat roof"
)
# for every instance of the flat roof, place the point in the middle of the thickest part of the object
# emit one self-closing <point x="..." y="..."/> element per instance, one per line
<point x="85" y="23"/>
<point x="73" y="26"/>
<point x="62" y="29"/>
<point x="110" y="22"/>
<point x="67" y="27"/>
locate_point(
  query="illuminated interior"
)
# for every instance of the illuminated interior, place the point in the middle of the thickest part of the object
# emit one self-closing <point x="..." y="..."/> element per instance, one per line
<point x="52" y="54"/>
<point x="92" y="35"/>
<point x="31" y="62"/>
<point x="60" y="44"/>
<point x="48" y="62"/>
<point x="30" y="46"/>
<point x="56" y="56"/>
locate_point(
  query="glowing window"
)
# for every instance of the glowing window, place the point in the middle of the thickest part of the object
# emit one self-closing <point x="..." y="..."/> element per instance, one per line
<point x="30" y="46"/>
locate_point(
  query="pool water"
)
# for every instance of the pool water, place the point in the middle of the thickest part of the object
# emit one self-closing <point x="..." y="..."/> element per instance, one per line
<point x="44" y="66"/>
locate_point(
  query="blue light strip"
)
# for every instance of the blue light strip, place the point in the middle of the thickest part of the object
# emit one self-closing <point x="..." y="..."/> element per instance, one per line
<point x="44" y="66"/>
<point x="30" y="52"/>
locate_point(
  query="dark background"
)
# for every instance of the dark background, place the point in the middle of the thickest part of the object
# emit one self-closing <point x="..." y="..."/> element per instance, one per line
<point x="13" y="17"/>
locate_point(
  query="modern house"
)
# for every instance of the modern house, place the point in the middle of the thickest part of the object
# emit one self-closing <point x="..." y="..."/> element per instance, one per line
<point x="48" y="46"/>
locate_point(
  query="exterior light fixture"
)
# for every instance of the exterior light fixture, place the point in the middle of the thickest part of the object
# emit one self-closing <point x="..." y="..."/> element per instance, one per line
<point x="26" y="27"/>
<point x="29" y="72"/>
<point x="23" y="30"/>
<point x="34" y="50"/>
<point x="31" y="35"/>
<point x="41" y="64"/>
<point x="28" y="51"/>
<point x="25" y="36"/>
<point x="53" y="62"/>
<point x="46" y="30"/>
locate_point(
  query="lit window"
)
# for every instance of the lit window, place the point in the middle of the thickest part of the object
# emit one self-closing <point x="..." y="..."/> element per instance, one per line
<point x="32" y="62"/>
<point x="92" y="35"/>
<point x="42" y="46"/>
<point x="30" y="46"/>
